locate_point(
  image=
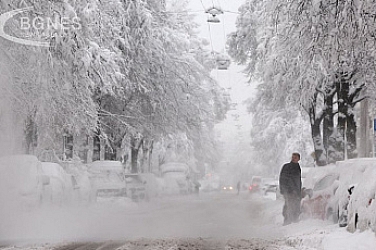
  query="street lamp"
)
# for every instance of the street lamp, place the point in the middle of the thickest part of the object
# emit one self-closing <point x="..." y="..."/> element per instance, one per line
<point x="214" y="11"/>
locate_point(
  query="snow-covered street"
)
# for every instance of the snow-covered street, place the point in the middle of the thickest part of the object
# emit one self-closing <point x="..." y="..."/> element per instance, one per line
<point x="187" y="124"/>
<point x="210" y="221"/>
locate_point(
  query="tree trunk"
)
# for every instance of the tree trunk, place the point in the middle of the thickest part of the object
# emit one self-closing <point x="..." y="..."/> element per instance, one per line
<point x="328" y="126"/>
<point x="365" y="147"/>
<point x="31" y="134"/>
<point x="343" y="96"/>
<point x="320" y="154"/>
<point x="351" y="137"/>
<point x="147" y="147"/>
<point x="135" y="148"/>
<point x="150" y="156"/>
<point x="90" y="150"/>
<point x="144" y="158"/>
<point x="346" y="119"/>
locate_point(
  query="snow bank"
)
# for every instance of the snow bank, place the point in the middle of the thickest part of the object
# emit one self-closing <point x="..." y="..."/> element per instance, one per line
<point x="343" y="240"/>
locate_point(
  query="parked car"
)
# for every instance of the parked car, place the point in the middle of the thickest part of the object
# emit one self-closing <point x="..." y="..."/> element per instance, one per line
<point x="361" y="208"/>
<point x="317" y="201"/>
<point x="135" y="187"/>
<point x="176" y="178"/>
<point x="107" y="179"/>
<point x="22" y="181"/>
<point x="80" y="178"/>
<point x="153" y="186"/>
<point x="210" y="182"/>
<point x="255" y="184"/>
<point x="343" y="212"/>
<point x="351" y="172"/>
<point x="59" y="191"/>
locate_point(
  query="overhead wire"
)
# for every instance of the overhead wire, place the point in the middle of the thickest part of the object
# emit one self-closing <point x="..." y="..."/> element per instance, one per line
<point x="210" y="35"/>
<point x="203" y="6"/>
<point x="224" y="41"/>
<point x="224" y="34"/>
<point x="211" y="40"/>
<point x="210" y="31"/>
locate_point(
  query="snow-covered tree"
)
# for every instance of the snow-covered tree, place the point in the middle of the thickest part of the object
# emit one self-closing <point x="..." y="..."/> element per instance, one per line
<point x="131" y="72"/>
<point x="311" y="54"/>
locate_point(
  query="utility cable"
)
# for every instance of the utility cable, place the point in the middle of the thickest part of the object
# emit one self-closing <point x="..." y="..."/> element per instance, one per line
<point x="210" y="35"/>
<point x="203" y="6"/>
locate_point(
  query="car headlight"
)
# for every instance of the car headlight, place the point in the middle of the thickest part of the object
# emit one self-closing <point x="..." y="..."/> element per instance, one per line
<point x="230" y="188"/>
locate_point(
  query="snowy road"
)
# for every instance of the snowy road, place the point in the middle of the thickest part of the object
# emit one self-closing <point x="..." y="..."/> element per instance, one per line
<point x="211" y="221"/>
<point x="210" y="215"/>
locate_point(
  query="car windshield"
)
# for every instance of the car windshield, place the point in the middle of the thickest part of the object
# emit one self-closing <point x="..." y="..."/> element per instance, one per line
<point x="324" y="182"/>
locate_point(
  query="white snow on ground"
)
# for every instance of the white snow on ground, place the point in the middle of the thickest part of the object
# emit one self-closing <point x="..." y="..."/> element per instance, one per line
<point x="241" y="222"/>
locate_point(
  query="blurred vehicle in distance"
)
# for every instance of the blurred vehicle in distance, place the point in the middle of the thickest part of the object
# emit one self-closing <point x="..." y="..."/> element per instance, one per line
<point x="228" y="187"/>
<point x="269" y="187"/>
<point x="254" y="187"/>
<point x="210" y="182"/>
<point x="176" y="178"/>
<point x="107" y="179"/>
<point x="22" y="182"/>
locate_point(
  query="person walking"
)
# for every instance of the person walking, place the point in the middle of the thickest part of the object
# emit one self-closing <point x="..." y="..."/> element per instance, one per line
<point x="290" y="183"/>
<point x="238" y="187"/>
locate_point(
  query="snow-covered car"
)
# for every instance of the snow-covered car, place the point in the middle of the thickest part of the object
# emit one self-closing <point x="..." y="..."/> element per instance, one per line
<point x="59" y="191"/>
<point x="176" y="177"/>
<point x="317" y="202"/>
<point x="343" y="213"/>
<point x="135" y="187"/>
<point x="153" y="185"/>
<point x="362" y="207"/>
<point x="80" y="178"/>
<point x="107" y="179"/>
<point x="210" y="182"/>
<point x="351" y="172"/>
<point x="207" y="186"/>
<point x="64" y="188"/>
<point x="22" y="181"/>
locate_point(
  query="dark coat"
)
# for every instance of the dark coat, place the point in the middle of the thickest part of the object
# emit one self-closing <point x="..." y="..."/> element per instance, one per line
<point x="290" y="179"/>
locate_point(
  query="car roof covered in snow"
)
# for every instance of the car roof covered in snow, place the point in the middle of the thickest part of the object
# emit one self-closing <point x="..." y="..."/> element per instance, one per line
<point x="174" y="167"/>
<point x="106" y="166"/>
<point x="53" y="169"/>
<point x="317" y="173"/>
